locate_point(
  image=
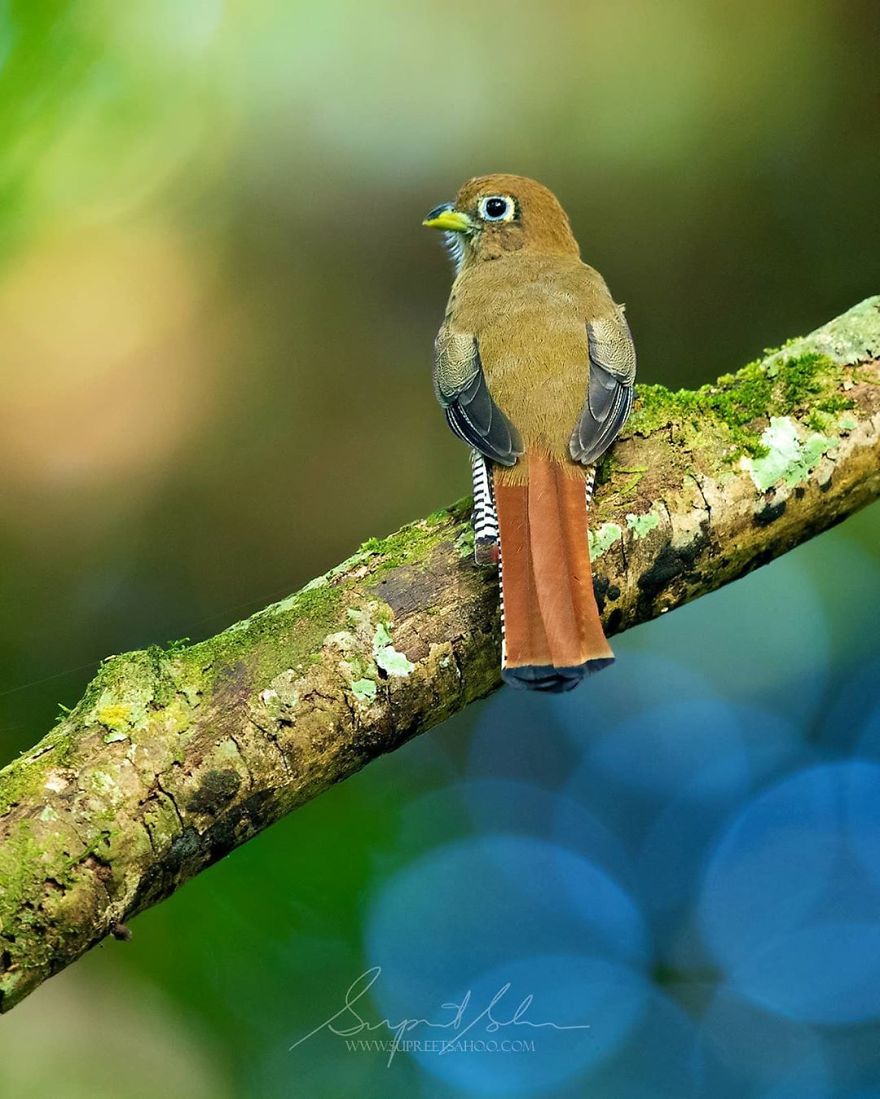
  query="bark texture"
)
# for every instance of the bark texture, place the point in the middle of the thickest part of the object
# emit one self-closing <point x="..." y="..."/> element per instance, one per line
<point x="175" y="757"/>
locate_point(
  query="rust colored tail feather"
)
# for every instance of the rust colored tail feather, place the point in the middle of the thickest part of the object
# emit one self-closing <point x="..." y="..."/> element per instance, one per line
<point x="553" y="635"/>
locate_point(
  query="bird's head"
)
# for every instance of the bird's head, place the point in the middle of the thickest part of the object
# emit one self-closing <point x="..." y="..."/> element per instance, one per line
<point x="495" y="215"/>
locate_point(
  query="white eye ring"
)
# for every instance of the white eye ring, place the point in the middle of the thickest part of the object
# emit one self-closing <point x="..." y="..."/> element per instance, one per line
<point x="489" y="210"/>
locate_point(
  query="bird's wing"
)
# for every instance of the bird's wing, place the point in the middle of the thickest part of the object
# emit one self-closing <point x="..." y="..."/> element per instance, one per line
<point x="460" y="387"/>
<point x="610" y="387"/>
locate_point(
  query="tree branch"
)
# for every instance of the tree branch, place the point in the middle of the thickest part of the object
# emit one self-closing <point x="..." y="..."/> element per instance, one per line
<point x="173" y="758"/>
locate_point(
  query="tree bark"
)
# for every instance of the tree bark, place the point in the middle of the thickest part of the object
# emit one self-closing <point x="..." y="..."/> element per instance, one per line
<point x="175" y="757"/>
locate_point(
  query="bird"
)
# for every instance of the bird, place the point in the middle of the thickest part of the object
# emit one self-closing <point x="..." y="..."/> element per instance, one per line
<point x="534" y="368"/>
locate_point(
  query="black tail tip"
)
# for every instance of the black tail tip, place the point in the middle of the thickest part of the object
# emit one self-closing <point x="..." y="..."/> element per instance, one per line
<point x="544" y="677"/>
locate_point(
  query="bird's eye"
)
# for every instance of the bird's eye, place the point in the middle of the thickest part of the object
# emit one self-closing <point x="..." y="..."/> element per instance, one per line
<point x="496" y="208"/>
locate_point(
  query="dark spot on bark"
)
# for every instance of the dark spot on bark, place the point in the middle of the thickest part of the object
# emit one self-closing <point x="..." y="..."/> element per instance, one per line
<point x="5" y="960"/>
<point x="672" y="562"/>
<point x="800" y="492"/>
<point x="215" y="790"/>
<point x="763" y="557"/>
<point x="238" y="824"/>
<point x="182" y="848"/>
<point x="255" y="807"/>
<point x="614" y="620"/>
<point x="102" y="869"/>
<point x="153" y="886"/>
<point x="605" y="591"/>
<point x="407" y="590"/>
<point x="161" y="878"/>
<point x="56" y="964"/>
<point x="825" y="486"/>
<point x="769" y="514"/>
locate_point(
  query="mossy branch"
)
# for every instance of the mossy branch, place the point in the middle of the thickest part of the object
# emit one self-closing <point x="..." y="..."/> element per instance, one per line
<point x="173" y="758"/>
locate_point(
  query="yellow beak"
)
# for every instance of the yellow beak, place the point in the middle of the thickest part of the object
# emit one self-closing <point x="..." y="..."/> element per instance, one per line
<point x="448" y="218"/>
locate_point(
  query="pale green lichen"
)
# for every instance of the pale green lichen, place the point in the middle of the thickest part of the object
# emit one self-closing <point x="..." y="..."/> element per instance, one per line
<point x="603" y="539"/>
<point x="641" y="525"/>
<point x="393" y="662"/>
<point x="387" y="658"/>
<point x="364" y="690"/>
<point x="790" y="456"/>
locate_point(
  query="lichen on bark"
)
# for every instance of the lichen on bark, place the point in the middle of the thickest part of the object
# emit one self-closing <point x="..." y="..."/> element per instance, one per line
<point x="174" y="757"/>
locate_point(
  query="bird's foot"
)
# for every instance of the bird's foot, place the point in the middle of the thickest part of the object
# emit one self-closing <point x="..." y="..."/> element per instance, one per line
<point x="487" y="551"/>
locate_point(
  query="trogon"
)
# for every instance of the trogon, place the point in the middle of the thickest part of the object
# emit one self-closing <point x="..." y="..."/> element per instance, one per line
<point x="534" y="367"/>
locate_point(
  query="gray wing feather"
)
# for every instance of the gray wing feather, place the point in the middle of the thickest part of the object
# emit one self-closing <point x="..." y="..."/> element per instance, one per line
<point x="461" y="389"/>
<point x="610" y="388"/>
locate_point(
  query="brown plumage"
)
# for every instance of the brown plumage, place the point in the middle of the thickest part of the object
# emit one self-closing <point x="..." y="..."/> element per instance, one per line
<point x="534" y="367"/>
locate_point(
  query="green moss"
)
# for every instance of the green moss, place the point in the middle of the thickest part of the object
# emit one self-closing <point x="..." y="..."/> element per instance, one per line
<point x="19" y="856"/>
<point x="18" y="780"/>
<point x="836" y="403"/>
<point x="803" y="376"/>
<point x="290" y="633"/>
<point x="464" y="543"/>
<point x="411" y="544"/>
<point x="282" y="635"/>
<point x="741" y="403"/>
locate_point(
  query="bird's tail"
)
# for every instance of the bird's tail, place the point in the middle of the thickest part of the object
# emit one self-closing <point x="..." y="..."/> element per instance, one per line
<point x="552" y="634"/>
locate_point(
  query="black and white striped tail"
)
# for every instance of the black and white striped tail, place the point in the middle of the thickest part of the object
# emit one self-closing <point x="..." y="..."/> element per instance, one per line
<point x="590" y="484"/>
<point x="485" y="518"/>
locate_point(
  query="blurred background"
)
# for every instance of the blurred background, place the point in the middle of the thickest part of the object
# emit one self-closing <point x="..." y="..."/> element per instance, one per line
<point x="217" y="309"/>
